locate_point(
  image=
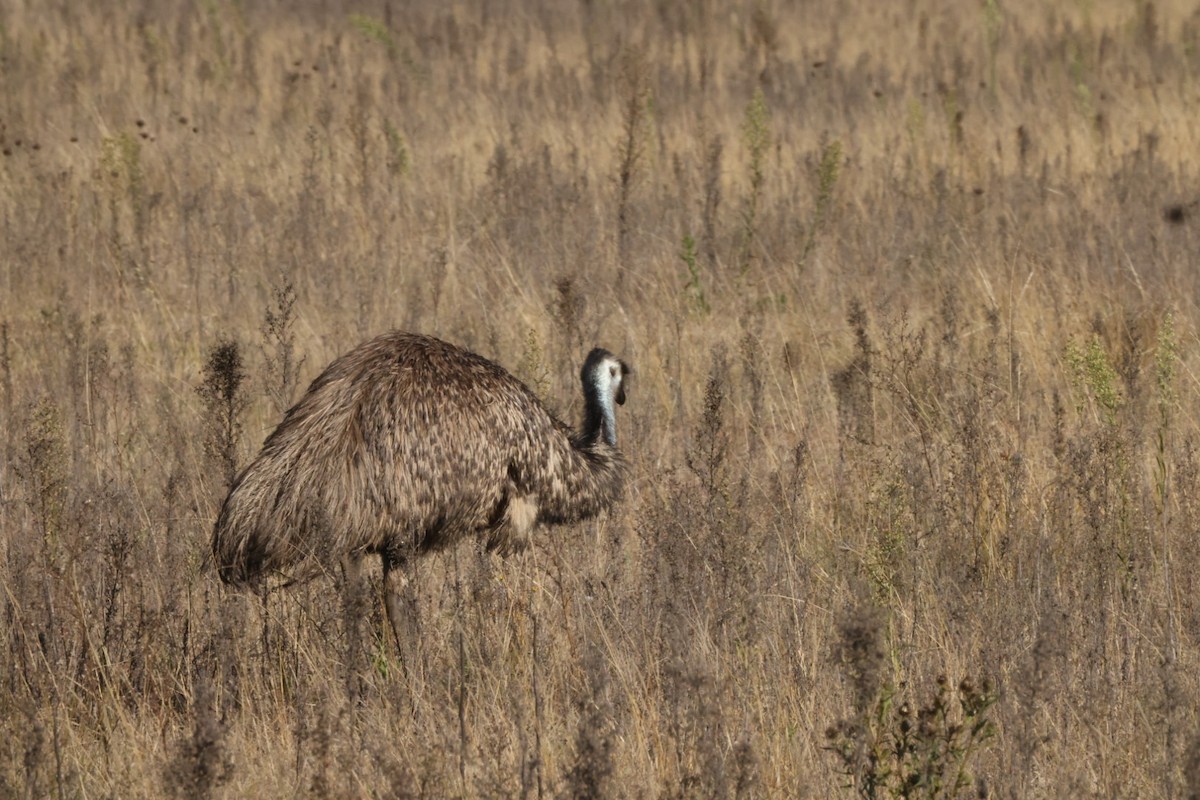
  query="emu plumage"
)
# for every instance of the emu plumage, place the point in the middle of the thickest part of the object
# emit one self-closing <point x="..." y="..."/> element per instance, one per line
<point x="407" y="444"/>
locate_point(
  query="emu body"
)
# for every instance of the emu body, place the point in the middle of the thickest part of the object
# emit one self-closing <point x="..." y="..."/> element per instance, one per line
<point x="408" y="444"/>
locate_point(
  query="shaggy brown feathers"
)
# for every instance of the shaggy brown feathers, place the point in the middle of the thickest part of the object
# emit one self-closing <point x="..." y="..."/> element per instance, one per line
<point x="407" y="444"/>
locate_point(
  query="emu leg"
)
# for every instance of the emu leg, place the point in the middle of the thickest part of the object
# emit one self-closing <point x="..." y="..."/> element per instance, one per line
<point x="352" y="611"/>
<point x="352" y="590"/>
<point x="401" y="619"/>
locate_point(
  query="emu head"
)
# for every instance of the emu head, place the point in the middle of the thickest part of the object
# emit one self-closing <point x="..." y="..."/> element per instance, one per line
<point x="603" y="376"/>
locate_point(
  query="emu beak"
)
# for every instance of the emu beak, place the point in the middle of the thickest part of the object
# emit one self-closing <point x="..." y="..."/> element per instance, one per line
<point x="625" y="370"/>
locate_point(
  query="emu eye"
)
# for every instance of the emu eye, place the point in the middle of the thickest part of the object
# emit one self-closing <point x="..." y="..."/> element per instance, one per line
<point x="612" y="372"/>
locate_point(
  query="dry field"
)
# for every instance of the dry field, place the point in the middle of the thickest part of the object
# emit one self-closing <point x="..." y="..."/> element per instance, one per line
<point x="912" y="293"/>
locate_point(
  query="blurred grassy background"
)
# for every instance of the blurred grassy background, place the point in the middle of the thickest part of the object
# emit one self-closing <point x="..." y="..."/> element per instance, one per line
<point x="911" y="295"/>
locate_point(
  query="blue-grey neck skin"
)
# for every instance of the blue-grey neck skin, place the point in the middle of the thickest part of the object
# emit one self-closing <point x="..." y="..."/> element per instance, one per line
<point x="599" y="417"/>
<point x="608" y="418"/>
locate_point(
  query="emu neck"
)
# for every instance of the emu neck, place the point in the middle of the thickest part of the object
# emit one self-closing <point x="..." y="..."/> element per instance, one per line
<point x="599" y="421"/>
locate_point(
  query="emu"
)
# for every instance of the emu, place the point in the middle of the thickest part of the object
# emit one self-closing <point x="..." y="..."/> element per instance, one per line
<point x="406" y="445"/>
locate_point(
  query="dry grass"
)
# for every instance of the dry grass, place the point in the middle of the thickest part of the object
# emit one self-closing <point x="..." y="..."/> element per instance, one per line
<point x="912" y="297"/>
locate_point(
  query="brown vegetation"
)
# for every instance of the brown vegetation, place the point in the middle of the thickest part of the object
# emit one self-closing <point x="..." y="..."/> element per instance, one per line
<point x="911" y="290"/>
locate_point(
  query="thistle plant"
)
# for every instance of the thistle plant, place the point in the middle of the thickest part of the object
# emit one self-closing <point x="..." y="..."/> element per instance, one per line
<point x="900" y="749"/>
<point x="224" y="398"/>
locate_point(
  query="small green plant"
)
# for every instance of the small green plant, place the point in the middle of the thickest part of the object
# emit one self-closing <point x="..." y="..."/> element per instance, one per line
<point x="123" y="178"/>
<point x="153" y="51"/>
<point x="694" y="289"/>
<point x="1093" y="376"/>
<point x="886" y="551"/>
<point x="993" y="19"/>
<point x="900" y="750"/>
<point x="953" y="112"/>
<point x="1084" y="100"/>
<point x="215" y="16"/>
<point x="376" y="31"/>
<point x="827" y="177"/>
<point x="756" y="137"/>
<point x="398" y="161"/>
<point x="120" y="157"/>
<point x="712" y="202"/>
<point x="1166" y="358"/>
